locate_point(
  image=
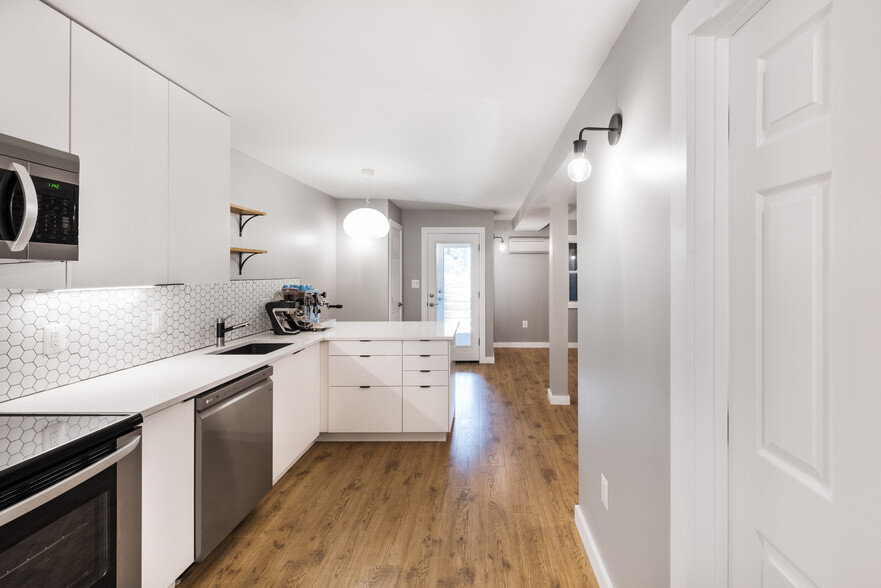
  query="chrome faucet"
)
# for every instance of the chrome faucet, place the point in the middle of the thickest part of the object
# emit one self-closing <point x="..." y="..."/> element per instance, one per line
<point x="222" y="329"/>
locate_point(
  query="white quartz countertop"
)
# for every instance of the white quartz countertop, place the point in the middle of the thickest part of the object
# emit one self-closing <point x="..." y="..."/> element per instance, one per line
<point x="154" y="386"/>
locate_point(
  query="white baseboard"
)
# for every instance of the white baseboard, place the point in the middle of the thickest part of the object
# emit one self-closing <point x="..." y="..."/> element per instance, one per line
<point x="573" y="345"/>
<point x="488" y="359"/>
<point x="523" y="345"/>
<point x="558" y="400"/>
<point x="590" y="546"/>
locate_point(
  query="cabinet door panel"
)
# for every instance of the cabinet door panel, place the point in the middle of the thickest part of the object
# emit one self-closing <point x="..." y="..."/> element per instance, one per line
<point x="295" y="407"/>
<point x="426" y="362"/>
<point x="199" y="184"/>
<point x="364" y="348"/>
<point x="364" y="410"/>
<point x="119" y="129"/>
<point x="426" y="348"/>
<point x="168" y="514"/>
<point x="426" y="378"/>
<point x="425" y="409"/>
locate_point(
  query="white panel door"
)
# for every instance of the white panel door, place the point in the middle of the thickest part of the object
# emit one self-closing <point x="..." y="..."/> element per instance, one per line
<point x="119" y="128"/>
<point x="396" y="302"/>
<point x="797" y="471"/>
<point x="295" y="407"/>
<point x="452" y="288"/>
<point x="198" y="190"/>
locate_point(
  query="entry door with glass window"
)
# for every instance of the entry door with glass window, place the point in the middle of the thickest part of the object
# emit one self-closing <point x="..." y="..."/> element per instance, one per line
<point x="452" y="289"/>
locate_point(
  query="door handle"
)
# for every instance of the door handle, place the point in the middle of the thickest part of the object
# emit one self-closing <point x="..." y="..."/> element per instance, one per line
<point x="400" y="304"/>
<point x="431" y="304"/>
<point x="30" y="208"/>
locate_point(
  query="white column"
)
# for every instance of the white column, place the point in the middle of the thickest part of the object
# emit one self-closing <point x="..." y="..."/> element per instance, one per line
<point x="558" y="302"/>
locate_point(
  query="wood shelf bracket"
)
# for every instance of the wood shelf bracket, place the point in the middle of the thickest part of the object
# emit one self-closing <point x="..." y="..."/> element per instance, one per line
<point x="243" y="212"/>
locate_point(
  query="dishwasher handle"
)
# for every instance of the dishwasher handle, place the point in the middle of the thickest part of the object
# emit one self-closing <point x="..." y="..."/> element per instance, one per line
<point x="214" y="409"/>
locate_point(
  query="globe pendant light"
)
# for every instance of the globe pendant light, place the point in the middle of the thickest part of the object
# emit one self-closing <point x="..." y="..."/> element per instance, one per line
<point x="366" y="223"/>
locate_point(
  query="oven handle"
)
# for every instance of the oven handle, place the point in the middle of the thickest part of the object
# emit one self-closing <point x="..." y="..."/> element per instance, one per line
<point x="41" y="498"/>
<point x="29" y="222"/>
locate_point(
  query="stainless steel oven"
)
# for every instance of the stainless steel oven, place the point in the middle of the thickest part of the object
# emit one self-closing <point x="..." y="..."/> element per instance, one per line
<point x="39" y="202"/>
<point x="70" y="500"/>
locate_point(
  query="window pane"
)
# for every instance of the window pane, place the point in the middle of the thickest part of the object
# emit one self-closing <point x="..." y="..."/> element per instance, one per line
<point x="573" y="287"/>
<point x="573" y="257"/>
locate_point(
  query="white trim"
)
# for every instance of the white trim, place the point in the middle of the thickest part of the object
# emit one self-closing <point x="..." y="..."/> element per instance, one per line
<point x="573" y="345"/>
<point x="488" y="359"/>
<point x="396" y="226"/>
<point x="590" y="546"/>
<point x="558" y="399"/>
<point x="481" y="277"/>
<point x="698" y="291"/>
<point x="522" y="344"/>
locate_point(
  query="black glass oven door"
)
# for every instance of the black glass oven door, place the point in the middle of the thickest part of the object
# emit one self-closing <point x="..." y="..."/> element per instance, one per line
<point x="70" y="541"/>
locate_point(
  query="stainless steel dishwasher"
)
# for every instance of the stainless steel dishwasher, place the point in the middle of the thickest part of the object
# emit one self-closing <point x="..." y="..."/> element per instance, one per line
<point x="233" y="455"/>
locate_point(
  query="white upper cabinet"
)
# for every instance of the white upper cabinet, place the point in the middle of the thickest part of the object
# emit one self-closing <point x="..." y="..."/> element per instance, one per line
<point x="35" y="45"/>
<point x="34" y="103"/>
<point x="119" y="129"/>
<point x="199" y="184"/>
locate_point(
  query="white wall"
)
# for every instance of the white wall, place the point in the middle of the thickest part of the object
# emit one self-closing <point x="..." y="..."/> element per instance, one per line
<point x="624" y="311"/>
<point x="298" y="231"/>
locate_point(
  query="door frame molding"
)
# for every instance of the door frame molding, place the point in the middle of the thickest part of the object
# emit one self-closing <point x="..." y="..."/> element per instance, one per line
<point x="481" y="277"/>
<point x="396" y="225"/>
<point x="699" y="290"/>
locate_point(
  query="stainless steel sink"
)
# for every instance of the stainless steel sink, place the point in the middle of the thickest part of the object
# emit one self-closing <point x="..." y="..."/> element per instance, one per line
<point x="252" y="349"/>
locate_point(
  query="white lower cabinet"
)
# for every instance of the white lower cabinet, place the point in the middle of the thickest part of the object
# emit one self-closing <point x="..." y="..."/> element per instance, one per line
<point x="425" y="409"/>
<point x="368" y="409"/>
<point x="168" y="491"/>
<point x="296" y="413"/>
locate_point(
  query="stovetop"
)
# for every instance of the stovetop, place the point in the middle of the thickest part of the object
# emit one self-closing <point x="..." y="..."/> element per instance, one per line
<point x="27" y="437"/>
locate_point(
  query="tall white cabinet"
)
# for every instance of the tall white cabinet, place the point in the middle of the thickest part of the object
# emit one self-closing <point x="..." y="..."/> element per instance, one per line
<point x="119" y="129"/>
<point x="296" y="412"/>
<point x="34" y="103"/>
<point x="198" y="189"/>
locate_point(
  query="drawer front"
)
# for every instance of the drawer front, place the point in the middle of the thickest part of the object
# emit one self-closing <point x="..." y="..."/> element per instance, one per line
<point x="364" y="348"/>
<point x="425" y="409"/>
<point x="426" y="347"/>
<point x="427" y="378"/>
<point x="364" y="410"/>
<point x="426" y="362"/>
<point x="374" y="370"/>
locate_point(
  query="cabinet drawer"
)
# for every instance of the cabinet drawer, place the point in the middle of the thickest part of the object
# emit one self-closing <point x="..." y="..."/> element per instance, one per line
<point x="425" y="409"/>
<point x="373" y="370"/>
<point x="427" y="378"/>
<point x="426" y="347"/>
<point x="426" y="362"/>
<point x="364" y="410"/>
<point x="364" y="348"/>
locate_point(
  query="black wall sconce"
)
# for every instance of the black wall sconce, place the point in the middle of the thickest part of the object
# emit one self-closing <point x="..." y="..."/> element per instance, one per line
<point x="579" y="168"/>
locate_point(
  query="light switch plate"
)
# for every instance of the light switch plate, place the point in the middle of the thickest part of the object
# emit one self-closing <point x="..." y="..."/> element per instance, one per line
<point x="525" y="324"/>
<point x="414" y="283"/>
<point x="157" y="321"/>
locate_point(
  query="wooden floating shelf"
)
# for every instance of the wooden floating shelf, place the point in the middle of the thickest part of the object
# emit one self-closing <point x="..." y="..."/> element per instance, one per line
<point x="236" y="209"/>
<point x="245" y="212"/>
<point x="241" y="251"/>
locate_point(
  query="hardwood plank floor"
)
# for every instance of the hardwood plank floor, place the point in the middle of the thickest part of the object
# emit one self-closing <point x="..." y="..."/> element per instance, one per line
<point x="493" y="506"/>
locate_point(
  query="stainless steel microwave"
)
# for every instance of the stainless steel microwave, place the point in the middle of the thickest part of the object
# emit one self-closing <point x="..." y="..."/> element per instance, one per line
<point x="39" y="202"/>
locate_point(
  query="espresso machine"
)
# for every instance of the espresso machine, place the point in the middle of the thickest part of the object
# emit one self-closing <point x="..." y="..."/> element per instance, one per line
<point x="299" y="310"/>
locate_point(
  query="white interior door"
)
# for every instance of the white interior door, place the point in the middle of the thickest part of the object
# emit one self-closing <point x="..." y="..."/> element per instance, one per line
<point x="396" y="303"/>
<point x="797" y="468"/>
<point x="452" y="289"/>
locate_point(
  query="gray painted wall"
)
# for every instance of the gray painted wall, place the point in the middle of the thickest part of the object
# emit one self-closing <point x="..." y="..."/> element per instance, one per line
<point x="361" y="268"/>
<point x="624" y="321"/>
<point x="298" y="231"/>
<point x="413" y="221"/>
<point x="521" y="291"/>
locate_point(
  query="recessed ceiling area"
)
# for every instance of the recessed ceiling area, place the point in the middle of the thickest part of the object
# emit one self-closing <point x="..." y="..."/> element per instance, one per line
<point x="451" y="102"/>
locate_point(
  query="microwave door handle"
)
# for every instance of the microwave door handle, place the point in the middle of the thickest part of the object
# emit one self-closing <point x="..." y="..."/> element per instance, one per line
<point x="41" y="498"/>
<point x="30" y="208"/>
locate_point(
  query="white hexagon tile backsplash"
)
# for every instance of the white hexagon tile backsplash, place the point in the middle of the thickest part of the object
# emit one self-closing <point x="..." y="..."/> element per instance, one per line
<point x="109" y="330"/>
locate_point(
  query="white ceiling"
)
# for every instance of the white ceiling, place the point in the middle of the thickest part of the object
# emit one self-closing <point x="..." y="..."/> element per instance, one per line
<point x="456" y="102"/>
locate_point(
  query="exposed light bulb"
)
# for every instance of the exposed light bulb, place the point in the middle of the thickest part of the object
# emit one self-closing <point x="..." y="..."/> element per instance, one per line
<point x="579" y="168"/>
<point x="502" y="245"/>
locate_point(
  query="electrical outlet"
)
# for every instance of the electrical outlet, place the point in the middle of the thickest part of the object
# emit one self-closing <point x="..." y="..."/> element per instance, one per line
<point x="525" y="324"/>
<point x="157" y="321"/>
<point x="54" y="339"/>
<point x="54" y="435"/>
<point x="604" y="491"/>
<point x="414" y="284"/>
